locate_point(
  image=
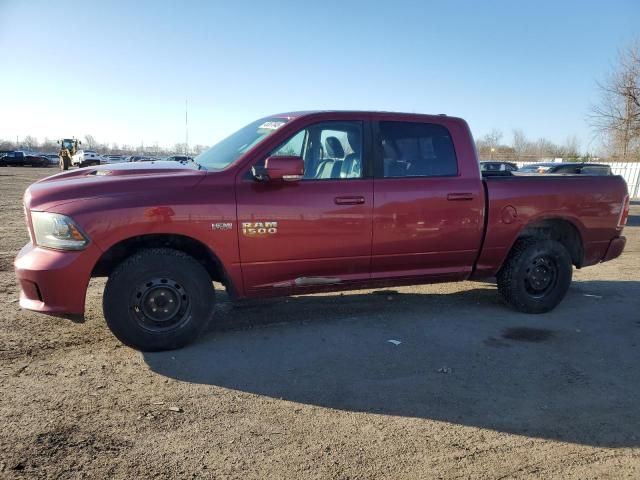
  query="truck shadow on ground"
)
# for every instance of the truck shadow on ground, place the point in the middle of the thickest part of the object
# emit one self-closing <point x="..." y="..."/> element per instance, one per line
<point x="463" y="358"/>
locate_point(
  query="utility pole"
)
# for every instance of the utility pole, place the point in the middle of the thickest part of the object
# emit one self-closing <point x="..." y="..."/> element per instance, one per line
<point x="186" y="127"/>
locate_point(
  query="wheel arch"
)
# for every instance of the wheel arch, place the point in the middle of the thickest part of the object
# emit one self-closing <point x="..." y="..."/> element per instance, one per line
<point x="562" y="230"/>
<point x="123" y="249"/>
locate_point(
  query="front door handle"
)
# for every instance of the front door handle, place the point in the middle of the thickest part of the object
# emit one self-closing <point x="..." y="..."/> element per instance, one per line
<point x="349" y="200"/>
<point x="459" y="196"/>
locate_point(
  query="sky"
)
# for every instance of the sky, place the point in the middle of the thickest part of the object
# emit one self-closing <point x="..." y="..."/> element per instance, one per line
<point x="122" y="71"/>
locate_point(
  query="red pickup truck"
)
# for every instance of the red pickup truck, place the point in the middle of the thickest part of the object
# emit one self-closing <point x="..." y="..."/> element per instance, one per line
<point x="307" y="202"/>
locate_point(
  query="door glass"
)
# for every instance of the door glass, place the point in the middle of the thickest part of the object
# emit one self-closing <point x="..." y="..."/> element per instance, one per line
<point x="293" y="146"/>
<point x="331" y="150"/>
<point x="417" y="150"/>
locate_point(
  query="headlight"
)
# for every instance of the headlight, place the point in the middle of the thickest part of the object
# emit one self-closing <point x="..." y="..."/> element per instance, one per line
<point x="57" y="231"/>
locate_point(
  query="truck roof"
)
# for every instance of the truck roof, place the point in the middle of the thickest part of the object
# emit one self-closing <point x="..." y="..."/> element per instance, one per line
<point x="306" y="113"/>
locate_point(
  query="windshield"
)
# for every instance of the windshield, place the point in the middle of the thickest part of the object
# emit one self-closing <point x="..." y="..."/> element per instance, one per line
<point x="224" y="153"/>
<point x="66" y="143"/>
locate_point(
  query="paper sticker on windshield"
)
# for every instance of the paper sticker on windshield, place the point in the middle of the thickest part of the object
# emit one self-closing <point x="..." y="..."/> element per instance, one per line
<point x="271" y="125"/>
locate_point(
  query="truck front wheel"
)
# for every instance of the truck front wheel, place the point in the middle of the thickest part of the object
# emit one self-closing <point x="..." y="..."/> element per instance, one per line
<point x="536" y="275"/>
<point x="158" y="299"/>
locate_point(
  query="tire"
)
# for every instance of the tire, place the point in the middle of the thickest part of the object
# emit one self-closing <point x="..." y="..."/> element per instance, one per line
<point x="147" y="285"/>
<point x="536" y="275"/>
<point x="64" y="163"/>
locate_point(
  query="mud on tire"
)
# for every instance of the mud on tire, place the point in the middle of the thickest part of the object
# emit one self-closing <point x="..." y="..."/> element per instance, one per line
<point x="158" y="299"/>
<point x="536" y="275"/>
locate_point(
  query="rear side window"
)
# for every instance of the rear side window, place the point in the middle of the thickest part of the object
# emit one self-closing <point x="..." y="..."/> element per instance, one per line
<point x="417" y="150"/>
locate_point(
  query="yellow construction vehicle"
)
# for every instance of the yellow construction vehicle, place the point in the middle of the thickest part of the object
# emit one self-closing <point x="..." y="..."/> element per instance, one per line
<point x="68" y="148"/>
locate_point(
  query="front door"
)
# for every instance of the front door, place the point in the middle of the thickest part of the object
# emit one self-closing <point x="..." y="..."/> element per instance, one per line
<point x="317" y="231"/>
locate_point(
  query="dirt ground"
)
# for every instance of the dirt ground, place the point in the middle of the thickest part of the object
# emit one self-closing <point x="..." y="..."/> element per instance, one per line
<point x="311" y="387"/>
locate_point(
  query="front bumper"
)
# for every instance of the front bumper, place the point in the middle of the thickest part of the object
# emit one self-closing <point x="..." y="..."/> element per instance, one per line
<point x="53" y="281"/>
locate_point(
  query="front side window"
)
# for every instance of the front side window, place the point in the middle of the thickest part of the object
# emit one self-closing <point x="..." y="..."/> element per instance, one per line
<point x="417" y="150"/>
<point x="330" y="150"/>
<point x="294" y="146"/>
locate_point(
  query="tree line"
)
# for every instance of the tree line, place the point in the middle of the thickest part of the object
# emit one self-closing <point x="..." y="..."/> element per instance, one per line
<point x="32" y="144"/>
<point x="491" y="147"/>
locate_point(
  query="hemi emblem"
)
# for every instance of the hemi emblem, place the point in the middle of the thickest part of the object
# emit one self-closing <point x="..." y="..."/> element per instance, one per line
<point x="221" y="226"/>
<point x="253" y="229"/>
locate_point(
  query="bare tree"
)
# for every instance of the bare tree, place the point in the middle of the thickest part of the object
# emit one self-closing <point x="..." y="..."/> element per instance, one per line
<point x="617" y="115"/>
<point x="571" y="148"/>
<point x="489" y="144"/>
<point x="90" y="141"/>
<point x="48" y="145"/>
<point x="520" y="144"/>
<point x="29" y="142"/>
<point x="180" y="148"/>
<point x="545" y="148"/>
<point x="492" y="139"/>
<point x="198" y="149"/>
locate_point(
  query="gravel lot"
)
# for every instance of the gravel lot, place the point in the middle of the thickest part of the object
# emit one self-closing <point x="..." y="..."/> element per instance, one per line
<point x="311" y="387"/>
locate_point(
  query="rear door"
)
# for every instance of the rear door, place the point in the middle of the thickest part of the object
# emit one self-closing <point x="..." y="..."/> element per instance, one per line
<point x="317" y="231"/>
<point x="428" y="209"/>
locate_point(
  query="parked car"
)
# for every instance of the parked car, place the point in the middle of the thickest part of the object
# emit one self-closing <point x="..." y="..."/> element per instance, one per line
<point x="52" y="158"/>
<point x="19" y="158"/>
<point x="536" y="167"/>
<point x="491" y="166"/>
<point x="179" y="158"/>
<point x="113" y="159"/>
<point x="85" y="158"/>
<point x="574" y="168"/>
<point x="581" y="169"/>
<point x="308" y="202"/>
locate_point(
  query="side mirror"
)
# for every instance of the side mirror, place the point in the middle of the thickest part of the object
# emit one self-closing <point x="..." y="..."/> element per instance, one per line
<point x="281" y="168"/>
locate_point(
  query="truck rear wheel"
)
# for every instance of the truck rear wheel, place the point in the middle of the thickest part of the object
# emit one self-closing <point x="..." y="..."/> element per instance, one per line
<point x="536" y="275"/>
<point x="158" y="299"/>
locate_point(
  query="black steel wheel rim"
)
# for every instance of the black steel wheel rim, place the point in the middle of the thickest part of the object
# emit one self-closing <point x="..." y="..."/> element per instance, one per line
<point x="160" y="304"/>
<point x="541" y="276"/>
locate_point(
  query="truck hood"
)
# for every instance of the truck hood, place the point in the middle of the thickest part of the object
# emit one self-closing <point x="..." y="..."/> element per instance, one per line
<point x="111" y="180"/>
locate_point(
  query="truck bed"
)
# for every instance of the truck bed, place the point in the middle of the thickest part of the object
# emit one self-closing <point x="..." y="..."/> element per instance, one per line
<point x="591" y="204"/>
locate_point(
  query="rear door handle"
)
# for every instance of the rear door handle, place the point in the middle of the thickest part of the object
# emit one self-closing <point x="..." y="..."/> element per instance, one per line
<point x="349" y="200"/>
<point x="460" y="196"/>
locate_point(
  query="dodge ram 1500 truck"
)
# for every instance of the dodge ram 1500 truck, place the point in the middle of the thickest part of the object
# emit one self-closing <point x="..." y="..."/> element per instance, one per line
<point x="308" y="202"/>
